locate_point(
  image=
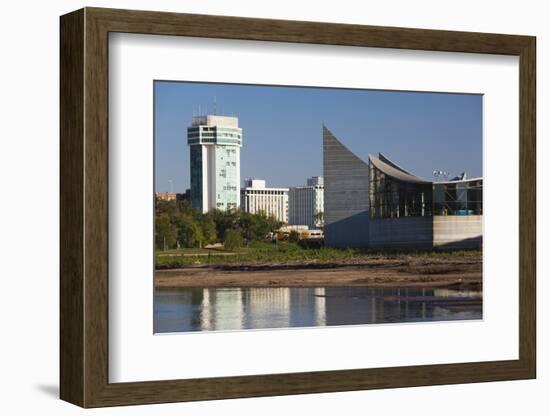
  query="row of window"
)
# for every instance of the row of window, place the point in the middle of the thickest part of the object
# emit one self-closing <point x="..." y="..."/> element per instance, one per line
<point x="213" y="128"/>
<point x="258" y="192"/>
<point x="218" y="141"/>
<point x="195" y="134"/>
<point x="390" y="198"/>
<point x="230" y="205"/>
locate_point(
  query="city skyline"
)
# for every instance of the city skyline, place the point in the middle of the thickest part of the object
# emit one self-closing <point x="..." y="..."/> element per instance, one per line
<point x="282" y="129"/>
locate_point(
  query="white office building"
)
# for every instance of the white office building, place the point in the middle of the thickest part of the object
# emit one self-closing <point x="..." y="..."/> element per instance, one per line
<point x="215" y="143"/>
<point x="255" y="197"/>
<point x="306" y="202"/>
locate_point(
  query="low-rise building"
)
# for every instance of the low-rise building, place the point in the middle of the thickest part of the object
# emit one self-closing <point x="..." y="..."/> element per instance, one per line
<point x="165" y="196"/>
<point x="256" y="197"/>
<point x="306" y="203"/>
<point x="303" y="230"/>
<point x="173" y="196"/>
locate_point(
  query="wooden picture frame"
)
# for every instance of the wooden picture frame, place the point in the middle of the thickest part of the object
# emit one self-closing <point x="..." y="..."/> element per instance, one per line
<point x="84" y="207"/>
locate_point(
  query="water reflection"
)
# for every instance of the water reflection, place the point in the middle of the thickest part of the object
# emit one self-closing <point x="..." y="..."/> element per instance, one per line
<point x="211" y="309"/>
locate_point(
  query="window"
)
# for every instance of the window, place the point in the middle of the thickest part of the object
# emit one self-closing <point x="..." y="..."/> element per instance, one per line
<point x="459" y="198"/>
<point x="391" y="198"/>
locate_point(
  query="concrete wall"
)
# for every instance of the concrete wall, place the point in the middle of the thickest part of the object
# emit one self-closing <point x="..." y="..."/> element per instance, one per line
<point x="456" y="231"/>
<point x="404" y="232"/>
<point x="453" y="232"/>
<point x="346" y="195"/>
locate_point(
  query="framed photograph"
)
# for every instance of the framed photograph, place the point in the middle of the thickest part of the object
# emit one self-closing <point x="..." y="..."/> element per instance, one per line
<point x="255" y="207"/>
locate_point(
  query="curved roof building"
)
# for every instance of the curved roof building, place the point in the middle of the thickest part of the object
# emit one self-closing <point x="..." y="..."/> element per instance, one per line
<point x="380" y="204"/>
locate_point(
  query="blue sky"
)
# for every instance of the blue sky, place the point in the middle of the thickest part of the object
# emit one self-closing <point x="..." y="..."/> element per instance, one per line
<point x="282" y="129"/>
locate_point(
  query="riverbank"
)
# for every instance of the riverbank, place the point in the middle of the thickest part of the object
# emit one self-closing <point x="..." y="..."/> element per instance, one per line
<point x="369" y="271"/>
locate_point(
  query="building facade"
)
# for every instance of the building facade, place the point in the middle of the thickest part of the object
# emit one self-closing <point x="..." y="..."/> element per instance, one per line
<point x="173" y="196"/>
<point x="381" y="205"/>
<point x="165" y="196"/>
<point x="215" y="143"/>
<point x="346" y="195"/>
<point x="255" y="197"/>
<point x="306" y="203"/>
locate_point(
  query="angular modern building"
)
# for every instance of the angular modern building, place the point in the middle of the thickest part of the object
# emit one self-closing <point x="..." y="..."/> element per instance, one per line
<point x="381" y="205"/>
<point x="215" y="143"/>
<point x="306" y="203"/>
<point x="255" y="197"/>
<point x="346" y="195"/>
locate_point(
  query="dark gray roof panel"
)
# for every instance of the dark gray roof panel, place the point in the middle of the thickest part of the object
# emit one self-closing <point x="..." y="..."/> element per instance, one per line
<point x="396" y="173"/>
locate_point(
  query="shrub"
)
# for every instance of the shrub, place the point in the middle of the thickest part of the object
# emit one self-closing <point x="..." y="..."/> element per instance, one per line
<point x="165" y="232"/>
<point x="232" y="239"/>
<point x="189" y="232"/>
<point x="294" y="236"/>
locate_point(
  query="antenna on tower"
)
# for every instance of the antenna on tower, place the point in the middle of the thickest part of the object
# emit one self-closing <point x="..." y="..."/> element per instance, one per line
<point x="215" y="109"/>
<point x="200" y="114"/>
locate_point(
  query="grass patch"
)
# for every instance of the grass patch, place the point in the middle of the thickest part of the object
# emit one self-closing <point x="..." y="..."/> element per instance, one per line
<point x="267" y="252"/>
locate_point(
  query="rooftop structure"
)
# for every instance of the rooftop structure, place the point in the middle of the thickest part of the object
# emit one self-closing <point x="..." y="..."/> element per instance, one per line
<point x="315" y="181"/>
<point x="254" y="183"/>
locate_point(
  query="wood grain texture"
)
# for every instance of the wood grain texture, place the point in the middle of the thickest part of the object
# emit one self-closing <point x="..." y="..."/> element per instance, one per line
<point x="527" y="208"/>
<point x="71" y="203"/>
<point x="84" y="207"/>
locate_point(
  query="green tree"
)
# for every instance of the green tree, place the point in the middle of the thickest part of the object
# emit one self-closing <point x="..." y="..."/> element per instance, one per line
<point x="165" y="232"/>
<point x="254" y="227"/>
<point x="185" y="207"/>
<point x="273" y="223"/>
<point x="189" y="231"/>
<point x="175" y="208"/>
<point x="224" y="220"/>
<point x="232" y="239"/>
<point x="246" y="224"/>
<point x="208" y="228"/>
<point x="169" y="208"/>
<point x="264" y="224"/>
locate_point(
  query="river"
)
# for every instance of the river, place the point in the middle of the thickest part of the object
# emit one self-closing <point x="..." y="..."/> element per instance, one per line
<point x="225" y="309"/>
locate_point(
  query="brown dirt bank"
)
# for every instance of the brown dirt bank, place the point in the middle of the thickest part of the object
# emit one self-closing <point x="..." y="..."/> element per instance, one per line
<point x="378" y="272"/>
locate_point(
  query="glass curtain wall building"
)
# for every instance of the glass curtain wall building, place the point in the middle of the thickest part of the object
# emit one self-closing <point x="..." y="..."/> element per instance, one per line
<point x="461" y="197"/>
<point x="215" y="143"/>
<point x="394" y="193"/>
